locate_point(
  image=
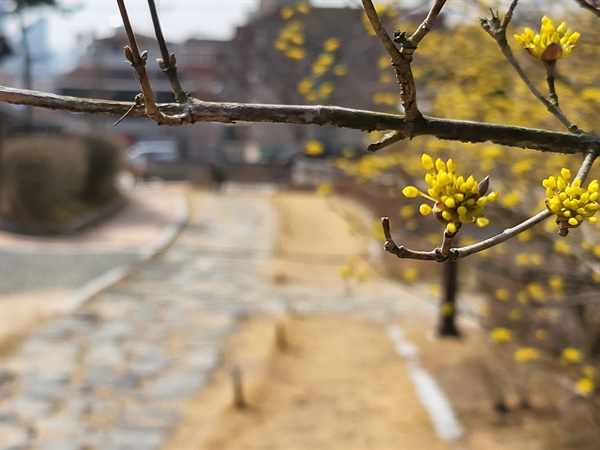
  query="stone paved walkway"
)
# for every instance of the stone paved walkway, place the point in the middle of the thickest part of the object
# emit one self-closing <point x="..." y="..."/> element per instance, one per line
<point x="115" y="374"/>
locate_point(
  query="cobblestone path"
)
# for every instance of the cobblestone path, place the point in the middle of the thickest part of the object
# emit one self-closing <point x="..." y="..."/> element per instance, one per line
<point x="115" y="374"/>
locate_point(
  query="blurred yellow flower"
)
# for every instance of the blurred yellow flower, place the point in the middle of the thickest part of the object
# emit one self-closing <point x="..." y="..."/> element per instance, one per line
<point x="526" y="354"/>
<point x="551" y="43"/>
<point x="515" y="315"/>
<point x="410" y="275"/>
<point x="324" y="189"/>
<point x="331" y="44"/>
<point x="502" y="294"/>
<point x="571" y="355"/>
<point x="541" y="335"/>
<point x="340" y="70"/>
<point x="314" y="148"/>
<point x="501" y="334"/>
<point x="585" y="386"/>
<point x="286" y="12"/>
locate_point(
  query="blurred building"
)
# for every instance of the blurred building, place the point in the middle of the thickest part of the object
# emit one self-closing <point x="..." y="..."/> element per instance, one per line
<point x="272" y="59"/>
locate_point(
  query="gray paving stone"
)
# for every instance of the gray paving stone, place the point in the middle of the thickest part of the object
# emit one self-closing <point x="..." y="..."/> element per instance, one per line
<point x="136" y="439"/>
<point x="107" y="352"/>
<point x="204" y="358"/>
<point x="150" y="417"/>
<point x="32" y="408"/>
<point x="14" y="437"/>
<point x="176" y="386"/>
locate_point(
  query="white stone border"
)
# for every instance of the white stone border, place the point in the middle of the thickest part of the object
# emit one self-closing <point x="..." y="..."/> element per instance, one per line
<point x="437" y="405"/>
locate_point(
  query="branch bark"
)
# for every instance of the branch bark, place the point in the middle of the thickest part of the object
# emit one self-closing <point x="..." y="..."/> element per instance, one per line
<point x="195" y="110"/>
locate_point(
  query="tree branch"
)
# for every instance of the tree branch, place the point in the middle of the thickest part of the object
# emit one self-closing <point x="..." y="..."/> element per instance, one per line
<point x="427" y="24"/>
<point x="588" y="7"/>
<point x="497" y="30"/>
<point x="168" y="62"/>
<point x="195" y="110"/>
<point x="401" y="60"/>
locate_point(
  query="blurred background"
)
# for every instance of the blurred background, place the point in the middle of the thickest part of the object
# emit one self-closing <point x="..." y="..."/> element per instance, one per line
<point x="68" y="179"/>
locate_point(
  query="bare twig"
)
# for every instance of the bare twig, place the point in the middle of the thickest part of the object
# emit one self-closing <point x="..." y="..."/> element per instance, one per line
<point x="585" y="5"/>
<point x="168" y="62"/>
<point x="427" y="24"/>
<point x="197" y="111"/>
<point x="401" y="60"/>
<point x="386" y="141"/>
<point x="497" y="30"/>
<point x="138" y="62"/>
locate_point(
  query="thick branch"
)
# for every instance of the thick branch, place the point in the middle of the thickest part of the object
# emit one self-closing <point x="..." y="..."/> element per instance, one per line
<point x="197" y="111"/>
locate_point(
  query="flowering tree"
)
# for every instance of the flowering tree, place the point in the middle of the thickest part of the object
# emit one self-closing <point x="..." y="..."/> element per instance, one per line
<point x="453" y="197"/>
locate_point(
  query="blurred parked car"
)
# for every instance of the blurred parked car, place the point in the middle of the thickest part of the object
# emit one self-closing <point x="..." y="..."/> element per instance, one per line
<point x="145" y="156"/>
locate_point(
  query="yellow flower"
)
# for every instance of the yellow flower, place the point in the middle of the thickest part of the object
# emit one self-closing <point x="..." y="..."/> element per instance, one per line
<point x="571" y="355"/>
<point x="295" y="53"/>
<point x="551" y="43"/>
<point x="502" y="294"/>
<point x="541" y="335"/>
<point x="286" y="12"/>
<point x="456" y="200"/>
<point x="324" y="190"/>
<point x="340" y="70"/>
<point x="331" y="44"/>
<point x="501" y="334"/>
<point x="305" y="86"/>
<point x="314" y="148"/>
<point x="345" y="271"/>
<point x="447" y="309"/>
<point x="569" y="201"/>
<point x="526" y="354"/>
<point x="585" y="386"/>
<point x="410" y="275"/>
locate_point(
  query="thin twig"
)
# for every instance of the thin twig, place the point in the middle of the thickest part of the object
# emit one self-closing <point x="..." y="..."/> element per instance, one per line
<point x="585" y="5"/>
<point x="509" y="13"/>
<point x="427" y="24"/>
<point x="497" y="30"/>
<point x="168" y="62"/>
<point x="197" y="111"/>
<point x="401" y="60"/>
<point x="386" y="141"/>
<point x="138" y="62"/>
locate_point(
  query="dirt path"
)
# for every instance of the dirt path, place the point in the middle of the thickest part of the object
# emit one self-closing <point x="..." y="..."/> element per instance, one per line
<point x="338" y="384"/>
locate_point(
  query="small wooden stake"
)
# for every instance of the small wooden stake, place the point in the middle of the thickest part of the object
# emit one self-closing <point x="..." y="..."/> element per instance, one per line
<point x="238" y="394"/>
<point x="280" y="339"/>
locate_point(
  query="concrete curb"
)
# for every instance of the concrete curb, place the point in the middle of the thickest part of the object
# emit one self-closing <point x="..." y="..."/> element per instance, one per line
<point x="99" y="284"/>
<point x="438" y="407"/>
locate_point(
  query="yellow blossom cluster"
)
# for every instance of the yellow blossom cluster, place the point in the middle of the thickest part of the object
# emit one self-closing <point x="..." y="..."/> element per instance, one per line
<point x="526" y="354"/>
<point x="501" y="334"/>
<point x="313" y="87"/>
<point x="569" y="201"/>
<point x="456" y="200"/>
<point x="551" y="43"/>
<point x="314" y="148"/>
<point x="291" y="39"/>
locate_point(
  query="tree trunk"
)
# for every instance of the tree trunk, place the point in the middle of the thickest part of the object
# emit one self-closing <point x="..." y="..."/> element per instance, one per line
<point x="447" y="324"/>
